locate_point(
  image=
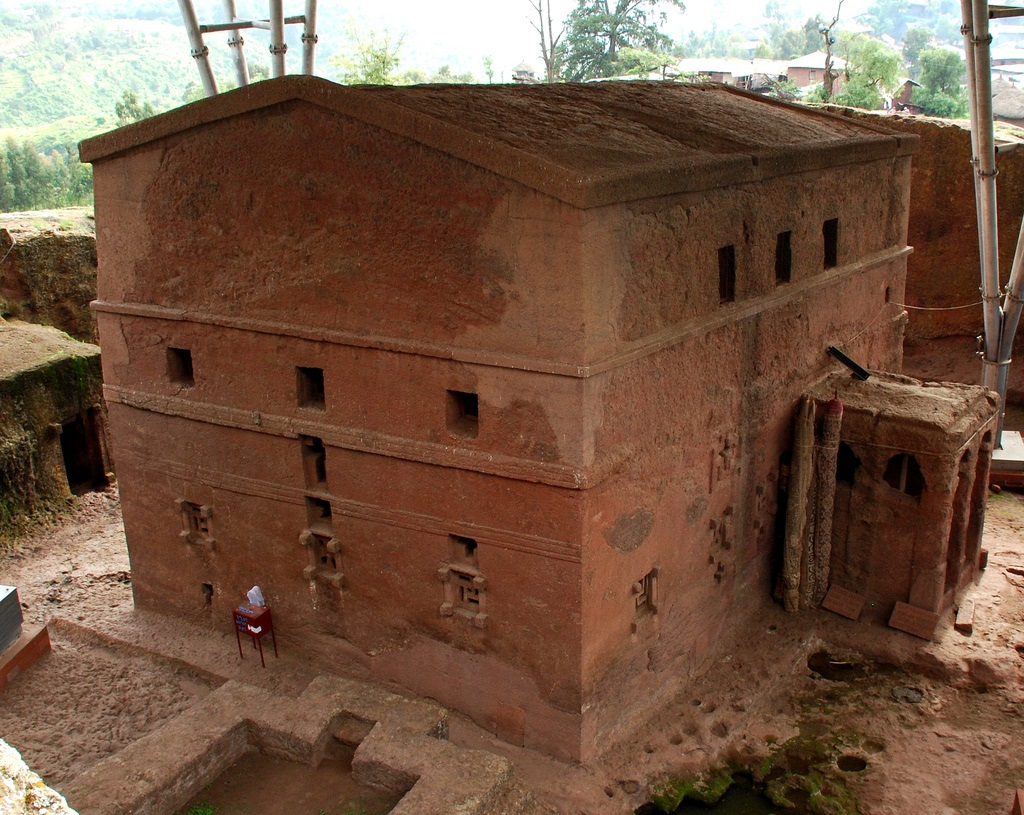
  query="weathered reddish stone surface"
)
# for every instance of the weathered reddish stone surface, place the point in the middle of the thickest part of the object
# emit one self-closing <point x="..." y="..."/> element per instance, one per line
<point x="490" y="329"/>
<point x="943" y="271"/>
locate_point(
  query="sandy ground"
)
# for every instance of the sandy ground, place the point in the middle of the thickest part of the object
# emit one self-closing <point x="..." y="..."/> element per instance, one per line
<point x="952" y="743"/>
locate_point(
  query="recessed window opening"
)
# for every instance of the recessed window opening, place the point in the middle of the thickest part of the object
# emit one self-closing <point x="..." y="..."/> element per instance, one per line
<point x="846" y="464"/>
<point x="463" y="413"/>
<point x="903" y="473"/>
<point x="318" y="511"/>
<point x="783" y="257"/>
<point x="463" y="549"/>
<point x="196" y="519"/>
<point x="179" y="367"/>
<point x="727" y="274"/>
<point x="644" y="593"/>
<point x="830" y="234"/>
<point x="314" y="461"/>
<point x="207" y="593"/>
<point x="310" y="383"/>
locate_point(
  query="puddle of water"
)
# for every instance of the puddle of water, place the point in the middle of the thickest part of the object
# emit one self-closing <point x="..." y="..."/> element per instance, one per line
<point x="837" y="670"/>
<point x="739" y="799"/>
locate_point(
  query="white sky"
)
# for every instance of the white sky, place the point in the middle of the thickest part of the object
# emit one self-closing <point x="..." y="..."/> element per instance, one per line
<point x="463" y="32"/>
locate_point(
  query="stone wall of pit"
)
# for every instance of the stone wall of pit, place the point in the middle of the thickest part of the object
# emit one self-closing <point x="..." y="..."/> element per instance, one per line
<point x="48" y="269"/>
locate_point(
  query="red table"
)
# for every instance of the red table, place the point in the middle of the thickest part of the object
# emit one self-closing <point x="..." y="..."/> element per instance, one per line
<point x="257" y="622"/>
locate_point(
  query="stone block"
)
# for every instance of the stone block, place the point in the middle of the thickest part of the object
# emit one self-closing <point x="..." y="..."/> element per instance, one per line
<point x="843" y="602"/>
<point x="913" y="620"/>
<point x="965" y="617"/>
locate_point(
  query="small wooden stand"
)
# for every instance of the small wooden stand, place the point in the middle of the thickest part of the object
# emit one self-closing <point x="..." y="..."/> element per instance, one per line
<point x="257" y="622"/>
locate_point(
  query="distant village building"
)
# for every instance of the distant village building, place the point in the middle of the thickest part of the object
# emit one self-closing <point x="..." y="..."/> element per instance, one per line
<point x="488" y="387"/>
<point x="809" y="70"/>
<point x="758" y="75"/>
<point x="523" y="73"/>
<point x="1007" y="103"/>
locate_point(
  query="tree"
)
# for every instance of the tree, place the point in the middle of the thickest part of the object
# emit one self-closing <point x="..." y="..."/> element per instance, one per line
<point x="550" y="50"/>
<point x="129" y="109"/>
<point x="916" y="40"/>
<point x="489" y="69"/>
<point x="828" y="84"/>
<point x="369" y="60"/>
<point x="872" y="72"/>
<point x="596" y="30"/>
<point x="941" y="93"/>
<point x="786" y="41"/>
<point x="889" y="17"/>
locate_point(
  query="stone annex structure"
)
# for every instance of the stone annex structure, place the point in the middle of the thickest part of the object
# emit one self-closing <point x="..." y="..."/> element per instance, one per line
<point x="485" y="386"/>
<point x="886" y="508"/>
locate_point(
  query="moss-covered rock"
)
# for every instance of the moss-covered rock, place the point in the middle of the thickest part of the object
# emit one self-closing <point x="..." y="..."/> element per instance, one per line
<point x="708" y="788"/>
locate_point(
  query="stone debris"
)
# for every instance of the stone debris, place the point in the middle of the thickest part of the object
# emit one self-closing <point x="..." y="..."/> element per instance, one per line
<point x="22" y="792"/>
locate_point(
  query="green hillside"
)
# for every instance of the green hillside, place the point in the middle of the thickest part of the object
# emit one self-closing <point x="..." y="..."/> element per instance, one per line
<point x="61" y="75"/>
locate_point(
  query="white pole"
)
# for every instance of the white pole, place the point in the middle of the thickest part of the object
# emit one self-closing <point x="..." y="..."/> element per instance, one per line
<point x="237" y="45"/>
<point x="278" y="47"/>
<point x="199" y="49"/>
<point x="986" y="175"/>
<point x="309" y="37"/>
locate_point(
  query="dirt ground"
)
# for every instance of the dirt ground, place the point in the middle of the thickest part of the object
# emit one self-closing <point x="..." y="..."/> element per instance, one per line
<point x="939" y="734"/>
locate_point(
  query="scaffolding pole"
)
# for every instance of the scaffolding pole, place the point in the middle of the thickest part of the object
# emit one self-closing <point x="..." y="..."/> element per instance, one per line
<point x="278" y="47"/>
<point x="199" y="49"/>
<point x="237" y="45"/>
<point x="309" y="37"/>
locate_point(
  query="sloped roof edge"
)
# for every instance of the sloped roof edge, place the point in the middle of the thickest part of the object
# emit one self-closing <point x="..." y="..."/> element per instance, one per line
<point x="600" y="187"/>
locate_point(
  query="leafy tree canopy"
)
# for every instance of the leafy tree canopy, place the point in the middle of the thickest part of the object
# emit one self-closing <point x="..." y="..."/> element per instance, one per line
<point x="597" y="30"/>
<point x="916" y="40"/>
<point x="872" y="64"/>
<point x="941" y="93"/>
<point x="129" y="109"/>
<point x="369" y="59"/>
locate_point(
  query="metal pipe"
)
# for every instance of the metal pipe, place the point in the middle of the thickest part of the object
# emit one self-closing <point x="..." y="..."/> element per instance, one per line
<point x="986" y="174"/>
<point x="237" y="45"/>
<point x="309" y="38"/>
<point x="278" y="47"/>
<point x="967" y="30"/>
<point x="263" y="25"/>
<point x="199" y="50"/>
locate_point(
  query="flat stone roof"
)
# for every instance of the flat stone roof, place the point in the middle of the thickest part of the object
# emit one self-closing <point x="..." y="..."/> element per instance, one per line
<point x="586" y="144"/>
<point x="24" y="346"/>
<point x="942" y="408"/>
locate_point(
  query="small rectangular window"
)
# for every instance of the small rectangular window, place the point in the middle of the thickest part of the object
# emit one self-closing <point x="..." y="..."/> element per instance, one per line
<point x="727" y="274"/>
<point x="783" y="257"/>
<point x="179" y="367"/>
<point x="318" y="512"/>
<point x="463" y="413"/>
<point x="463" y="549"/>
<point x="314" y="461"/>
<point x="310" y="383"/>
<point x="830" y="234"/>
